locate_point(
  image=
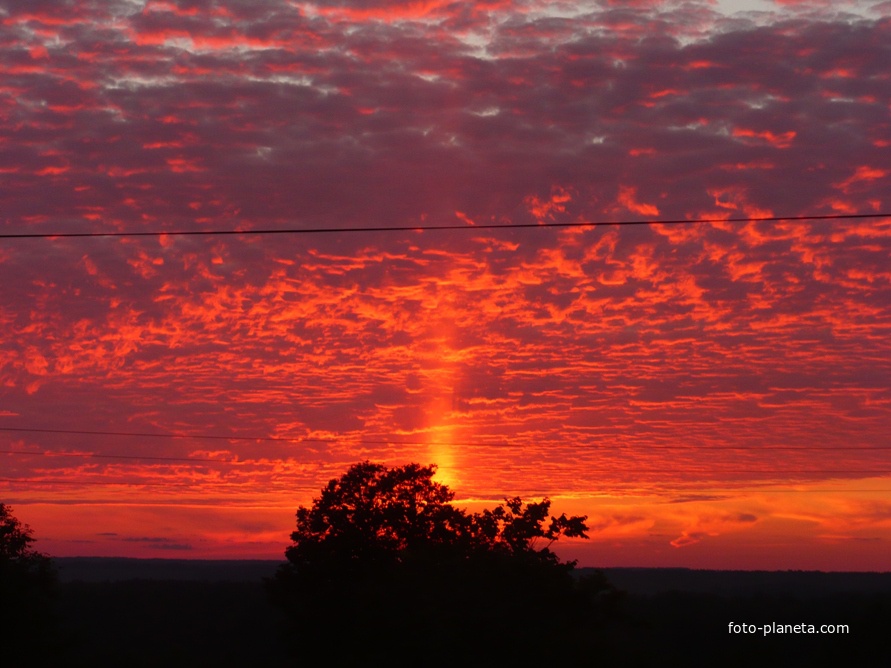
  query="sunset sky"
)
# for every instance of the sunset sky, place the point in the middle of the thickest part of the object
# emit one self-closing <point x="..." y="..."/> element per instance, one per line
<point x="713" y="395"/>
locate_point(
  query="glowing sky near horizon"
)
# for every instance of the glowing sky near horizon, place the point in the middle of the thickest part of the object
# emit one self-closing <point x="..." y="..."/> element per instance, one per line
<point x="710" y="395"/>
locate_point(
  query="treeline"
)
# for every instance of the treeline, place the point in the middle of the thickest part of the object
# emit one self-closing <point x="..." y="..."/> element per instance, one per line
<point x="191" y="623"/>
<point x="383" y="571"/>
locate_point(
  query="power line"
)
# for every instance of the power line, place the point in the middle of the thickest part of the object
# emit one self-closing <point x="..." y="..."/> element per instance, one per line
<point x="362" y="441"/>
<point x="202" y="484"/>
<point x="642" y="470"/>
<point x="435" y="228"/>
<point x="662" y="490"/>
<point x="94" y="455"/>
<point x="223" y="437"/>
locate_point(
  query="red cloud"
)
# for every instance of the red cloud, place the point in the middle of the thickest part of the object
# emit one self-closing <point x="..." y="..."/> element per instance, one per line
<point x="783" y="140"/>
<point x="861" y="174"/>
<point x="628" y="199"/>
<point x="545" y="209"/>
<point x="688" y="538"/>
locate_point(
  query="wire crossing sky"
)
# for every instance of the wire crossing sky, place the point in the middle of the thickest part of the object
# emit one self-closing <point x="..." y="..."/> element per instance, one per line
<point x="630" y="256"/>
<point x="463" y="228"/>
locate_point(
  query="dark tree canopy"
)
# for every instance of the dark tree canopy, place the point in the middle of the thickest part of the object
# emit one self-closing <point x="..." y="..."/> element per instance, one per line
<point x="16" y="555"/>
<point x="517" y="527"/>
<point x="27" y="584"/>
<point x="372" y="515"/>
<point x="384" y="554"/>
<point x="375" y="516"/>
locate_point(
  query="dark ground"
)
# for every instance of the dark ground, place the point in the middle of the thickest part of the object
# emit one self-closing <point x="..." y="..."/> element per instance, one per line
<point x="122" y="612"/>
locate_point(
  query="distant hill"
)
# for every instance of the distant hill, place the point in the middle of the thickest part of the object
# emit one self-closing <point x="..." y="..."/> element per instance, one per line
<point x="177" y="612"/>
<point x="638" y="581"/>
<point x="117" y="569"/>
<point x="803" y="584"/>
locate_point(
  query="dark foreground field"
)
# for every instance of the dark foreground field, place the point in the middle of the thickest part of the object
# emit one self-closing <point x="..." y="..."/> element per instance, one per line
<point x="115" y="612"/>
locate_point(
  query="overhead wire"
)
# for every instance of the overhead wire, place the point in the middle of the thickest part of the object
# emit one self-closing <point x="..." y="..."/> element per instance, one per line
<point x="638" y="468"/>
<point x="656" y="490"/>
<point x="394" y="442"/>
<point x="435" y="228"/>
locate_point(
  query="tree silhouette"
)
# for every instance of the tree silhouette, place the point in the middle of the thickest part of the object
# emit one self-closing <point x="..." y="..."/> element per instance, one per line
<point x="374" y="516"/>
<point x="382" y="556"/>
<point x="27" y="585"/>
<point x="516" y="527"/>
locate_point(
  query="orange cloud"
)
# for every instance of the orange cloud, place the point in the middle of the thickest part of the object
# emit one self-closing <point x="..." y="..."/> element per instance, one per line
<point x="628" y="200"/>
<point x="546" y="209"/>
<point x="782" y="140"/>
<point x="863" y="173"/>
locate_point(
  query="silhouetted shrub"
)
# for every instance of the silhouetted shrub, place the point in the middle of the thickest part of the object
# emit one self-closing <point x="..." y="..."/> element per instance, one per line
<point x="27" y="586"/>
<point x="383" y="570"/>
